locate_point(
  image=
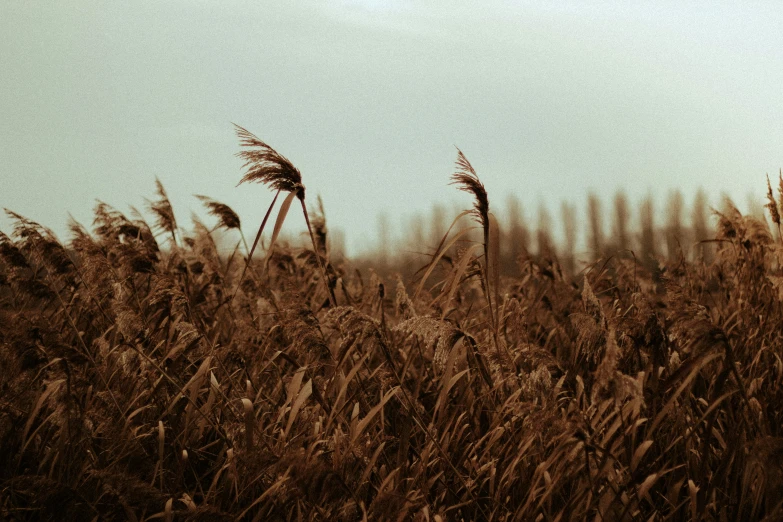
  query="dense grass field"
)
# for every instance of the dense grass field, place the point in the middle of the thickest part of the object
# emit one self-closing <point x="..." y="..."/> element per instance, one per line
<point x="147" y="375"/>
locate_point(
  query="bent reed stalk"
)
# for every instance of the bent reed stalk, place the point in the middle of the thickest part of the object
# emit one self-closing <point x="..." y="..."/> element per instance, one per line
<point x="265" y="165"/>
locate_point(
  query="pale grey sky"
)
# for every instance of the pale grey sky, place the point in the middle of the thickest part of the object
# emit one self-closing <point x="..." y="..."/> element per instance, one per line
<point x="369" y="97"/>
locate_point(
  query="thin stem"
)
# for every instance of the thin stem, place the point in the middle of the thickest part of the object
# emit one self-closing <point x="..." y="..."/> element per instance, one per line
<point x="327" y="280"/>
<point x="244" y="242"/>
<point x="255" y="243"/>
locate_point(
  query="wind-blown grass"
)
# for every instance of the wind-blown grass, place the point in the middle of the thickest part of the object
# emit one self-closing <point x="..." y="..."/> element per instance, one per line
<point x="135" y="388"/>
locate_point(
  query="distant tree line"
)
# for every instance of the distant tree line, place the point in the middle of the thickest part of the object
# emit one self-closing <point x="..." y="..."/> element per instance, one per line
<point x="622" y="229"/>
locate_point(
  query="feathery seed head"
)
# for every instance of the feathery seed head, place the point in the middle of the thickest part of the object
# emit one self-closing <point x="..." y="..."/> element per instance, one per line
<point x="780" y="189"/>
<point x="163" y="210"/>
<point x="606" y="373"/>
<point x="228" y="218"/>
<point x="39" y="242"/>
<point x="265" y="165"/>
<point x="402" y="302"/>
<point x="467" y="180"/>
<point x="592" y="305"/>
<point x="11" y="254"/>
<point x="772" y="205"/>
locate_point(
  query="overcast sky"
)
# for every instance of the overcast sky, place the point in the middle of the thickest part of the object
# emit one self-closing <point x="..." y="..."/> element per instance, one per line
<point x="369" y="98"/>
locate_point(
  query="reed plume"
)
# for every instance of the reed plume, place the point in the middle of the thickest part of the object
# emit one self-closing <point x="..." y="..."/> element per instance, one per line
<point x="164" y="212"/>
<point x="227" y="218"/>
<point x="772" y="205"/>
<point x="467" y="180"/>
<point x="780" y="189"/>
<point x="265" y="165"/>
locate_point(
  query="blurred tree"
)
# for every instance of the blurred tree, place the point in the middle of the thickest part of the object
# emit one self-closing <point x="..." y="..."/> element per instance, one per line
<point x="595" y="232"/>
<point x="647" y="220"/>
<point x="620" y="219"/>
<point x="337" y="244"/>
<point x="675" y="245"/>
<point x="701" y="230"/>
<point x="515" y="236"/>
<point x="384" y="242"/>
<point x="437" y="226"/>
<point x="543" y="235"/>
<point x="568" y="215"/>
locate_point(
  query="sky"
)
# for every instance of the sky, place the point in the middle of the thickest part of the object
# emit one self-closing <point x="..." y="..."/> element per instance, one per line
<point x="370" y="98"/>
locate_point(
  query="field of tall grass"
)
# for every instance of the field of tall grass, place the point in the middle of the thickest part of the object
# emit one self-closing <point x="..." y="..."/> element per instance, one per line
<point x="147" y="375"/>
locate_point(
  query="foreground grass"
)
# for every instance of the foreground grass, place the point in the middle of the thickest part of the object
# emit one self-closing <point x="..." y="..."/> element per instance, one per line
<point x="144" y="381"/>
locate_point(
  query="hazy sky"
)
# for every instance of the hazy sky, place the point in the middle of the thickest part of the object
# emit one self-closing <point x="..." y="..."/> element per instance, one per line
<point x="369" y="98"/>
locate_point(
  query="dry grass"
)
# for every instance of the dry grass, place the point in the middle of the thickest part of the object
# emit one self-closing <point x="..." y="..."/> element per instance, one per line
<point x="135" y="388"/>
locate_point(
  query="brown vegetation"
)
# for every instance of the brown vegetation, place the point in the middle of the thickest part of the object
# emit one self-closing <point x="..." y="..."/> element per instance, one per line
<point x="144" y="380"/>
